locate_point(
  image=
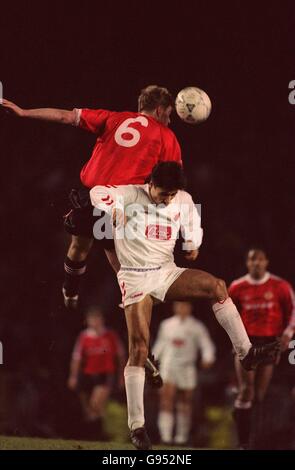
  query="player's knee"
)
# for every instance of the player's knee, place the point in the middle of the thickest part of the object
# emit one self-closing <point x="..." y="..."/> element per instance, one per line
<point x="167" y="404"/>
<point x="219" y="290"/>
<point x="79" y="249"/>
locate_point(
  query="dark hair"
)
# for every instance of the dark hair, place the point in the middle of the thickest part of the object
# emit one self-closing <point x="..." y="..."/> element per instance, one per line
<point x="153" y="96"/>
<point x="168" y="175"/>
<point x="257" y="249"/>
<point x="94" y="311"/>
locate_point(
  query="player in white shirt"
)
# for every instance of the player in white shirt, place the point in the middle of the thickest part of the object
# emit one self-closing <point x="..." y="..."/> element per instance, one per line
<point x="148" y="219"/>
<point x="179" y="341"/>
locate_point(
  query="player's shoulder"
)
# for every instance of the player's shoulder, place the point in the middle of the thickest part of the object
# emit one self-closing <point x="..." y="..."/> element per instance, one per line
<point x="239" y="282"/>
<point x="198" y="325"/>
<point x="279" y="281"/>
<point x="168" y="134"/>
<point x="167" y="322"/>
<point x="183" y="195"/>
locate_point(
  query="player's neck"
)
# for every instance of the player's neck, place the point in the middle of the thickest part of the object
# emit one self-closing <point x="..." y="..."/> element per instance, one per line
<point x="149" y="113"/>
<point x="258" y="279"/>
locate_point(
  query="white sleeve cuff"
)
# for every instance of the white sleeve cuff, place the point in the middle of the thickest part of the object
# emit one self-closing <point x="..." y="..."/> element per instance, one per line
<point x="77" y="112"/>
<point x="289" y="331"/>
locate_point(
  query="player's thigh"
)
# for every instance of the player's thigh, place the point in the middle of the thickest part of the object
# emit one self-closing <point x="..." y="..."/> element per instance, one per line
<point x="138" y="319"/>
<point x="99" y="396"/>
<point x="264" y="375"/>
<point x="185" y="396"/>
<point x="191" y="284"/>
<point x="246" y="380"/>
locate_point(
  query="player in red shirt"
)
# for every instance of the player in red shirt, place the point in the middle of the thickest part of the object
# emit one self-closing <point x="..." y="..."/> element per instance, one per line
<point x="266" y="304"/>
<point x="128" y="146"/>
<point x="97" y="355"/>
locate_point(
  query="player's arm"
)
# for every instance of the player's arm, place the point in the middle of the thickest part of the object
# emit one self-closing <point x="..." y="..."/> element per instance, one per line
<point x="75" y="364"/>
<point x="113" y="200"/>
<point x="62" y="116"/>
<point x="287" y="300"/>
<point x="206" y="346"/>
<point x="190" y="226"/>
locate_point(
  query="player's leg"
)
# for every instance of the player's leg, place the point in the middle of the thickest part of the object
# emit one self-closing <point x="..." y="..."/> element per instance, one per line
<point x="243" y="405"/>
<point x="98" y="400"/>
<point x="183" y="416"/>
<point x="166" y="412"/>
<point x="263" y="377"/>
<point x="97" y="403"/>
<point x="84" y="402"/>
<point x="194" y="283"/>
<point x="75" y="267"/>
<point x="138" y="317"/>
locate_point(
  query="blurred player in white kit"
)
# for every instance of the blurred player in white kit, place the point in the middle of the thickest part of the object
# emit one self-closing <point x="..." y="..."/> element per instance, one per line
<point x="180" y="340"/>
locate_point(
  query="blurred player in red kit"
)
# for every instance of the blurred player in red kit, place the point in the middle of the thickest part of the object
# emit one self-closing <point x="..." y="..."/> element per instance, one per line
<point x="98" y="354"/>
<point x="128" y="146"/>
<point x="266" y="305"/>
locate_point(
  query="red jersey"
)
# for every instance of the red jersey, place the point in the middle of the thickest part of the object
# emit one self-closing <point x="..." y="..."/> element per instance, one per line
<point x="97" y="352"/>
<point x="265" y="305"/>
<point x="127" y="147"/>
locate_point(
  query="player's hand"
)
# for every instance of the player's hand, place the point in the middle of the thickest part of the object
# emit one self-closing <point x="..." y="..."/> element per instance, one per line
<point x="72" y="383"/>
<point x="119" y="218"/>
<point x="285" y="340"/>
<point x="191" y="255"/>
<point x="11" y="108"/>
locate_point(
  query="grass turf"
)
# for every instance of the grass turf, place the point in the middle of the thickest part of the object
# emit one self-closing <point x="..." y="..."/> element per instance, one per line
<point x="30" y="443"/>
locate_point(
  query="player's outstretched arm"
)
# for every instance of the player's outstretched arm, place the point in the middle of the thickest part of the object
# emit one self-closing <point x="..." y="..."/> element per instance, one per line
<point x="62" y="116"/>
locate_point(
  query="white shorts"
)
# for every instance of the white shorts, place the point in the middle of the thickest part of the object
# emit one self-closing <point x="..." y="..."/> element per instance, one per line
<point x="136" y="283"/>
<point x="183" y="377"/>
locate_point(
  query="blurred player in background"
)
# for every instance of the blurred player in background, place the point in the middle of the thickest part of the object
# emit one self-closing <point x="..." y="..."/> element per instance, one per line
<point x="128" y="145"/>
<point x="97" y="356"/>
<point x="266" y="305"/>
<point x="180" y="339"/>
<point x="148" y="219"/>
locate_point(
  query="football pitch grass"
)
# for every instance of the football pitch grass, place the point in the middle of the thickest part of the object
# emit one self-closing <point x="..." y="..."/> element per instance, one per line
<point x="30" y="443"/>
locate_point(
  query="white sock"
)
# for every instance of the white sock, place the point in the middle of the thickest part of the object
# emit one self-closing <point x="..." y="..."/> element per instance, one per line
<point x="183" y="426"/>
<point x="229" y="318"/>
<point x="165" y="425"/>
<point x="134" y="383"/>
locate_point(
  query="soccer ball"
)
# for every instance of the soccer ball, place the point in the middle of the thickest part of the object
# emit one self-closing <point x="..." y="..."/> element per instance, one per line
<point x="193" y="105"/>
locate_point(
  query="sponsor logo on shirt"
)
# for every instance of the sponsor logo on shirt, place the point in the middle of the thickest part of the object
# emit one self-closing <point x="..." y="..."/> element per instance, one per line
<point x="259" y="305"/>
<point x="268" y="295"/>
<point x="158" y="232"/>
<point x="178" y="342"/>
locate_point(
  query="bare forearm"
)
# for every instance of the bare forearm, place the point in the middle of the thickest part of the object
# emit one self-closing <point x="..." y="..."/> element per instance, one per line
<point x="50" y="114"/>
<point x="75" y="368"/>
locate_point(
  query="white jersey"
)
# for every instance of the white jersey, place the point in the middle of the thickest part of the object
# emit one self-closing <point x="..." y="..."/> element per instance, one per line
<point x="179" y="341"/>
<point x="149" y="236"/>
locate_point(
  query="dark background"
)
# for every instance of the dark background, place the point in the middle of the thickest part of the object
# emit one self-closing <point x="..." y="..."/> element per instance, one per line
<point x="240" y="163"/>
